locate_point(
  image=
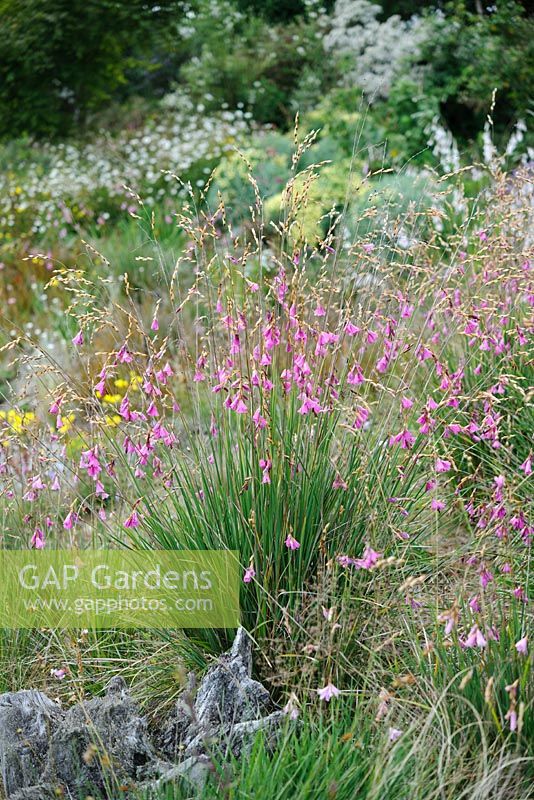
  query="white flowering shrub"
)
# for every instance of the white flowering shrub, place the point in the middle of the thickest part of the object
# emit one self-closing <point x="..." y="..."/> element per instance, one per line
<point x="62" y="186"/>
<point x="444" y="145"/>
<point x="446" y="150"/>
<point x="378" y="51"/>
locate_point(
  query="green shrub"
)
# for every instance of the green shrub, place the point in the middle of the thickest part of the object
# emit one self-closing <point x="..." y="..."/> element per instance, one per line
<point x="60" y="59"/>
<point x="245" y="62"/>
<point x="470" y="55"/>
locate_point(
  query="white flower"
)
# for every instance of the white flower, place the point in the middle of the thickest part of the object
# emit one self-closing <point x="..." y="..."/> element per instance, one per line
<point x="379" y="50"/>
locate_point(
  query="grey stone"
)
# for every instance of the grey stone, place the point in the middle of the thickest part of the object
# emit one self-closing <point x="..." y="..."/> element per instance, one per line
<point x="193" y="770"/>
<point x="42" y="791"/>
<point x="27" y="721"/>
<point x="241" y="737"/>
<point x="226" y="696"/>
<point x="101" y="744"/>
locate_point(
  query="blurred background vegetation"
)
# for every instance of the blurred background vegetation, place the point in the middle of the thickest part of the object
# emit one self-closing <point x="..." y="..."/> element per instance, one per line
<point x="100" y="95"/>
<point x="64" y="61"/>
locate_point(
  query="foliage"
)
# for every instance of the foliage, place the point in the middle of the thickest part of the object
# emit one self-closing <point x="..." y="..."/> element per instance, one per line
<point x="59" y="59"/>
<point x="465" y="64"/>
<point x="312" y="347"/>
<point x="53" y="192"/>
<point x="341" y="754"/>
<point x="348" y="410"/>
<point x="244" y="62"/>
<point x="232" y="177"/>
<point x="275" y="10"/>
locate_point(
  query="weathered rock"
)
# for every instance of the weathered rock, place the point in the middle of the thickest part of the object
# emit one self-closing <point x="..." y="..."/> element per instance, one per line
<point x="227" y="693"/>
<point x="171" y="740"/>
<point x="102" y="743"/>
<point x="226" y="697"/>
<point x="241" y="737"/>
<point x="193" y="771"/>
<point x="27" y="721"/>
<point x="43" y="791"/>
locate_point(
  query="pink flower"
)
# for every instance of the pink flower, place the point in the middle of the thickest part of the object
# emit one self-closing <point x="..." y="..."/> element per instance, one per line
<point x="475" y="639"/>
<point x="442" y="465"/>
<point x="250" y="573"/>
<point x="370" y="557"/>
<point x="132" y="521"/>
<point x="485" y="577"/>
<point x="355" y="376"/>
<point x="89" y="461"/>
<point x="155" y="325"/>
<point x="382" y="364"/>
<point x="152" y="410"/>
<point x="372" y="336"/>
<point x="78" y="339"/>
<point x="394" y="734"/>
<point x="259" y="421"/>
<point x="310" y="404"/>
<point x="521" y="646"/>
<point x="238" y="405"/>
<point x="123" y="355"/>
<point x="437" y="505"/>
<point x="362" y="415"/>
<point x="351" y="329"/>
<point x="58" y="673"/>
<point x="100" y="490"/>
<point x="499" y="482"/>
<point x="271" y="336"/>
<point x="325" y="338"/>
<point x="328" y="692"/>
<point x="474" y="604"/>
<point x="69" y="521"/>
<point x="291" y="542"/>
<point x="405" y="438"/>
<point x="55" y="407"/>
<point x="100" y="387"/>
<point x="526" y="466"/>
<point x="511" y="715"/>
<point x="38" y="539"/>
<point x="339" y="483"/>
<point x="265" y="466"/>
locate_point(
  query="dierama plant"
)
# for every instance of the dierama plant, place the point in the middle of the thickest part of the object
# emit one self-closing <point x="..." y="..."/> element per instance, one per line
<point x="325" y="405"/>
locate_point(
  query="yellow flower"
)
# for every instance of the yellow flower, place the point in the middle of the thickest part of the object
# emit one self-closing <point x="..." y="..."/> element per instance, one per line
<point x="17" y="420"/>
<point x="67" y="423"/>
<point x="135" y="381"/>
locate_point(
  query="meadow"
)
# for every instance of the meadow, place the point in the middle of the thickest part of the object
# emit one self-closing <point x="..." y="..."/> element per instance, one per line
<point x="288" y="313"/>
